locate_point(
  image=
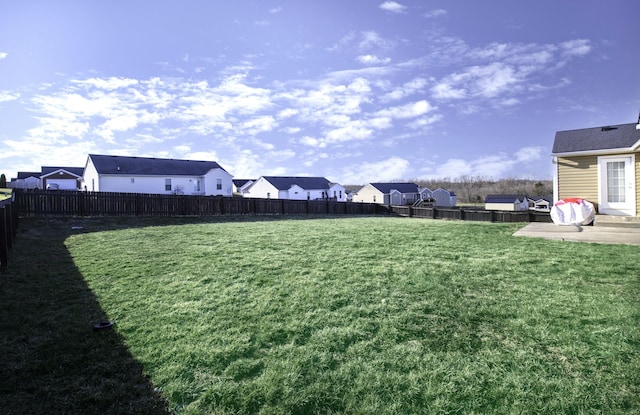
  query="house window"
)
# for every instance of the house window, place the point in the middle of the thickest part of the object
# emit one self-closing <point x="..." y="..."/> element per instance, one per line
<point x="308" y="195"/>
<point x="219" y="184"/>
<point x="340" y="194"/>
<point x="268" y="195"/>
<point x="196" y="185"/>
<point x="334" y="194"/>
<point x="167" y="185"/>
<point x="133" y="180"/>
<point x="615" y="182"/>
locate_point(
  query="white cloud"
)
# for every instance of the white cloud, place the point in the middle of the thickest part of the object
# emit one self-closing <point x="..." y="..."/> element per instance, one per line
<point x="203" y="155"/>
<point x="392" y="6"/>
<point x="577" y="47"/>
<point x="446" y="90"/>
<point x="435" y="13"/>
<point x="423" y="122"/>
<point x="311" y="142"/>
<point x="287" y="113"/>
<point x="259" y="125"/>
<point x="109" y="83"/>
<point x="245" y="164"/>
<point x="353" y="130"/>
<point x="492" y="166"/>
<point x="372" y="60"/>
<point x="371" y="39"/>
<point x="182" y="149"/>
<point x="527" y="154"/>
<point x="292" y="130"/>
<point x="392" y="168"/>
<point x="493" y="79"/>
<point x="410" y="110"/>
<point x="3" y="55"/>
<point x="409" y="88"/>
<point x="282" y="155"/>
<point x="6" y="96"/>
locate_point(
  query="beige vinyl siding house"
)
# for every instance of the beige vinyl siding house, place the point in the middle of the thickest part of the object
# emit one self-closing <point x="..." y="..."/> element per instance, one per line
<point x="601" y="165"/>
<point x="388" y="193"/>
<point x="579" y="178"/>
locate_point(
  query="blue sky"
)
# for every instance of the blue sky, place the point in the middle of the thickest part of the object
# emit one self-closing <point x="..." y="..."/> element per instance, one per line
<point x="356" y="91"/>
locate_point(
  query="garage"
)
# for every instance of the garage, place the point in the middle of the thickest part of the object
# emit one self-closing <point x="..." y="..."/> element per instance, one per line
<point x="61" y="178"/>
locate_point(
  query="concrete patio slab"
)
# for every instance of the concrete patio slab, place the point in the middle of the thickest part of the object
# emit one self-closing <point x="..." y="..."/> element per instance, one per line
<point x="597" y="234"/>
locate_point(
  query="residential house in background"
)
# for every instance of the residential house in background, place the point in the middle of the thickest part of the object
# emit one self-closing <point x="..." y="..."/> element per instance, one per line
<point x="26" y="180"/>
<point x="61" y="178"/>
<point x="601" y="165"/>
<point x="240" y="185"/>
<point x="294" y="188"/>
<point x="104" y="173"/>
<point x="444" y="198"/>
<point x="49" y="177"/>
<point x="388" y="193"/>
<point x="541" y="204"/>
<point x="512" y="203"/>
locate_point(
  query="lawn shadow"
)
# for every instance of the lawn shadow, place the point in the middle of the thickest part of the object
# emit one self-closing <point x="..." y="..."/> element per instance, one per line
<point x="53" y="360"/>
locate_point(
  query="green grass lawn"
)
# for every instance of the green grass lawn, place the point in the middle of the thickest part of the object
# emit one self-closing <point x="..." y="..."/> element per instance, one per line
<point x="372" y="315"/>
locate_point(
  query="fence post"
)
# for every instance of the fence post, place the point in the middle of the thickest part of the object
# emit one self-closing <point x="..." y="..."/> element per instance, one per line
<point x="4" y="238"/>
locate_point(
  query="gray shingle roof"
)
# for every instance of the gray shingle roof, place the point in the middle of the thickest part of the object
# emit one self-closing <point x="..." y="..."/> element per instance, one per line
<point x="78" y="171"/>
<point x="621" y="136"/>
<point x="386" y="188"/>
<point x="145" y="166"/>
<point x="27" y="174"/>
<point x="307" y="183"/>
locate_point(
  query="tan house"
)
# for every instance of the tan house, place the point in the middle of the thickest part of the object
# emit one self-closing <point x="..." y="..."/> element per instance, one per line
<point x="388" y="193"/>
<point x="601" y="165"/>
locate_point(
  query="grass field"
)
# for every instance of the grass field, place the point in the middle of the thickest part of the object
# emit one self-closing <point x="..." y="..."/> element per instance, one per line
<point x="326" y="315"/>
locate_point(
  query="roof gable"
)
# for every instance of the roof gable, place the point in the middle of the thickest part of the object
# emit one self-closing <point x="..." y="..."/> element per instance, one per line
<point x="597" y="139"/>
<point x="144" y="166"/>
<point x="386" y="188"/>
<point x="75" y="171"/>
<point x="307" y="183"/>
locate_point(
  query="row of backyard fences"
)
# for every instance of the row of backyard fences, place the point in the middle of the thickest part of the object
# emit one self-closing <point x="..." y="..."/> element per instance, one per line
<point x="8" y="228"/>
<point x="72" y="203"/>
<point x="479" y="215"/>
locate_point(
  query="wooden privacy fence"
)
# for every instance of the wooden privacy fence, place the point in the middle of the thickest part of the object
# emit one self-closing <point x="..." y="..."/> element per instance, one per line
<point x="8" y="227"/>
<point x="70" y="203"/>
<point x="480" y="215"/>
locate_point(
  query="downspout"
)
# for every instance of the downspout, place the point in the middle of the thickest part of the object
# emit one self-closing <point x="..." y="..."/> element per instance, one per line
<point x="556" y="186"/>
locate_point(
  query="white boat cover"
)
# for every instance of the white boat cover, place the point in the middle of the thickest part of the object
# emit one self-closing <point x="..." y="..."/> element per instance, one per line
<point x="573" y="211"/>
